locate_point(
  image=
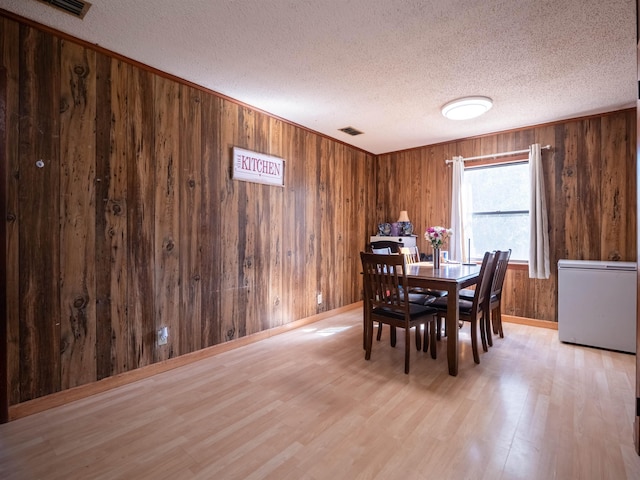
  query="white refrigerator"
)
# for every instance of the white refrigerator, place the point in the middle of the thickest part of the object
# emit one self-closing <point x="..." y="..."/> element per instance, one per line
<point x="597" y="304"/>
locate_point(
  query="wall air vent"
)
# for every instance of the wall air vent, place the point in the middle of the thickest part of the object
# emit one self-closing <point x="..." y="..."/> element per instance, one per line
<point x="77" y="8"/>
<point x="351" y="131"/>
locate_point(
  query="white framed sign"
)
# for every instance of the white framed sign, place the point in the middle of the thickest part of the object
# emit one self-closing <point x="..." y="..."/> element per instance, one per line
<point x="257" y="167"/>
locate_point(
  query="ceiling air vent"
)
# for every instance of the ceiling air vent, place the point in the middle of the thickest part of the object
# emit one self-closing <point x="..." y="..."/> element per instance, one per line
<point x="77" y="8"/>
<point x="351" y="131"/>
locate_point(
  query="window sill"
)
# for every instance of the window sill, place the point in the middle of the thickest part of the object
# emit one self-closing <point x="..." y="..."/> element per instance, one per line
<point x="513" y="264"/>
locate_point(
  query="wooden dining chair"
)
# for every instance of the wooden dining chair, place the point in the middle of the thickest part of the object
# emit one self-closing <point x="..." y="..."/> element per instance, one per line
<point x="490" y="321"/>
<point x="416" y="295"/>
<point x="411" y="254"/>
<point x="493" y="313"/>
<point x="386" y="301"/>
<point x="394" y="246"/>
<point x="472" y="311"/>
<point x="421" y="296"/>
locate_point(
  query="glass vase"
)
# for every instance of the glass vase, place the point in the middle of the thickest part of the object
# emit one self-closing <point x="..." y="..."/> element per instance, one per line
<point x="436" y="258"/>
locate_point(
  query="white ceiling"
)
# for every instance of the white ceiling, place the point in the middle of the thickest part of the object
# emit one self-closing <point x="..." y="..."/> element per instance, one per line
<point x="384" y="67"/>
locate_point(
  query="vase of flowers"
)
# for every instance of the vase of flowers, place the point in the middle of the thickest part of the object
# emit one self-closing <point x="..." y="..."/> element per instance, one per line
<point x="437" y="236"/>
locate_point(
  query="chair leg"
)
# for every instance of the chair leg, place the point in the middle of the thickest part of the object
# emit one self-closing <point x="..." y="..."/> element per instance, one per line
<point x="379" y="336"/>
<point x="369" y="340"/>
<point x="426" y="332"/>
<point x="365" y="323"/>
<point x="498" y="311"/>
<point x="407" y="349"/>
<point x="474" y="340"/>
<point x="393" y="336"/>
<point x="433" y="339"/>
<point x="441" y="332"/>
<point x="487" y="327"/>
<point x="418" y="338"/>
<point x="483" y="335"/>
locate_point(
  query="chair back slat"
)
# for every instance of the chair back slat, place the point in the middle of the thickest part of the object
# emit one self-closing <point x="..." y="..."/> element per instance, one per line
<point x="500" y="270"/>
<point x="484" y="281"/>
<point x="385" y="283"/>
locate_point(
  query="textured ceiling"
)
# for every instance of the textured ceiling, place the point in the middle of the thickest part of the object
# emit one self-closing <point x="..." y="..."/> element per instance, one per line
<point x="383" y="67"/>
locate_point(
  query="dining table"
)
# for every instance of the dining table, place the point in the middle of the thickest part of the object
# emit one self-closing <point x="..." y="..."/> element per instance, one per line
<point x="451" y="277"/>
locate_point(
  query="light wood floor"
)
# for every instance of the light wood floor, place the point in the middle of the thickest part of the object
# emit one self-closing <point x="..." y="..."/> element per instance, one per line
<point x="306" y="405"/>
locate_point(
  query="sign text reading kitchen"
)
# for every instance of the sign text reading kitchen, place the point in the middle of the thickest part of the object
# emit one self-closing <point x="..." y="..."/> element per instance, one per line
<point x="257" y="167"/>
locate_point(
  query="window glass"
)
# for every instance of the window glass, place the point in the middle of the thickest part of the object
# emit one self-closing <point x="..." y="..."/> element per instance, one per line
<point x="499" y="197"/>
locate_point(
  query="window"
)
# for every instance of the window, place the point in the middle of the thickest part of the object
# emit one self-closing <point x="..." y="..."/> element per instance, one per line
<point x="499" y="216"/>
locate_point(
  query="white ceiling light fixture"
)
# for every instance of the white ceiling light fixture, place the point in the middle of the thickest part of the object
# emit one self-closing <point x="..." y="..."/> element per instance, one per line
<point x="466" y="108"/>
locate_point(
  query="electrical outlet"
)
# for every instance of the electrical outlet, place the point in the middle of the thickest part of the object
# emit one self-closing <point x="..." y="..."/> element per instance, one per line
<point x="319" y="299"/>
<point x="163" y="336"/>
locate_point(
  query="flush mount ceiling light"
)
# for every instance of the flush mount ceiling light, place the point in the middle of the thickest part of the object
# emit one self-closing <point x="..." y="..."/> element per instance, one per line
<point x="466" y="108"/>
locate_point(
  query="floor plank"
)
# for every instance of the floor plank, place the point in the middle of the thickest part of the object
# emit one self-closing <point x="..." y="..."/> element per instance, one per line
<point x="306" y="405"/>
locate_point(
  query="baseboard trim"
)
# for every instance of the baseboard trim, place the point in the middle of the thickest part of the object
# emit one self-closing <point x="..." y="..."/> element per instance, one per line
<point x="76" y="393"/>
<point x="530" y="321"/>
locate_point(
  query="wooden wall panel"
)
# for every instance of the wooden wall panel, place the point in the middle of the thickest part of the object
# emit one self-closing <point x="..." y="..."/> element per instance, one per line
<point x="617" y="185"/>
<point x="589" y="181"/>
<point x="294" y="218"/>
<point x="190" y="216"/>
<point x="10" y="54"/>
<point x="39" y="213"/>
<point x="260" y="316"/>
<point x="243" y="264"/>
<point x="112" y="271"/>
<point x="274" y="232"/>
<point x="331" y="222"/>
<point x="233" y="231"/>
<point x="210" y="221"/>
<point x="78" y="215"/>
<point x="311" y="227"/>
<point x="4" y="327"/>
<point x="141" y="219"/>
<point x="166" y="222"/>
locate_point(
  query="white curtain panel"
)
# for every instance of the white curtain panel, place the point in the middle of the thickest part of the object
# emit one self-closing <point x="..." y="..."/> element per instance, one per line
<point x="456" y="242"/>
<point x="539" y="231"/>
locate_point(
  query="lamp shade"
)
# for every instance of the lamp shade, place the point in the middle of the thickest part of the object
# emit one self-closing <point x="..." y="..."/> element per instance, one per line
<point x="404" y="217"/>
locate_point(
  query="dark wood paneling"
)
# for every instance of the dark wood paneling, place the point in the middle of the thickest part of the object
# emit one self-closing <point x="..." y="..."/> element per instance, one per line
<point x="39" y="214"/>
<point x="4" y="385"/>
<point x="135" y="223"/>
<point x="590" y="185"/>
<point x="112" y="326"/>
<point x="9" y="52"/>
<point x="617" y="187"/>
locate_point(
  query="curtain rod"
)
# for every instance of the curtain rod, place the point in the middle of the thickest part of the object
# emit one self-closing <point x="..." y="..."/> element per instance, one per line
<point x="494" y="155"/>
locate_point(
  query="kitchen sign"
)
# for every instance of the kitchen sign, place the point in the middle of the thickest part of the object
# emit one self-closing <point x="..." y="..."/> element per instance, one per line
<point x="257" y="167"/>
